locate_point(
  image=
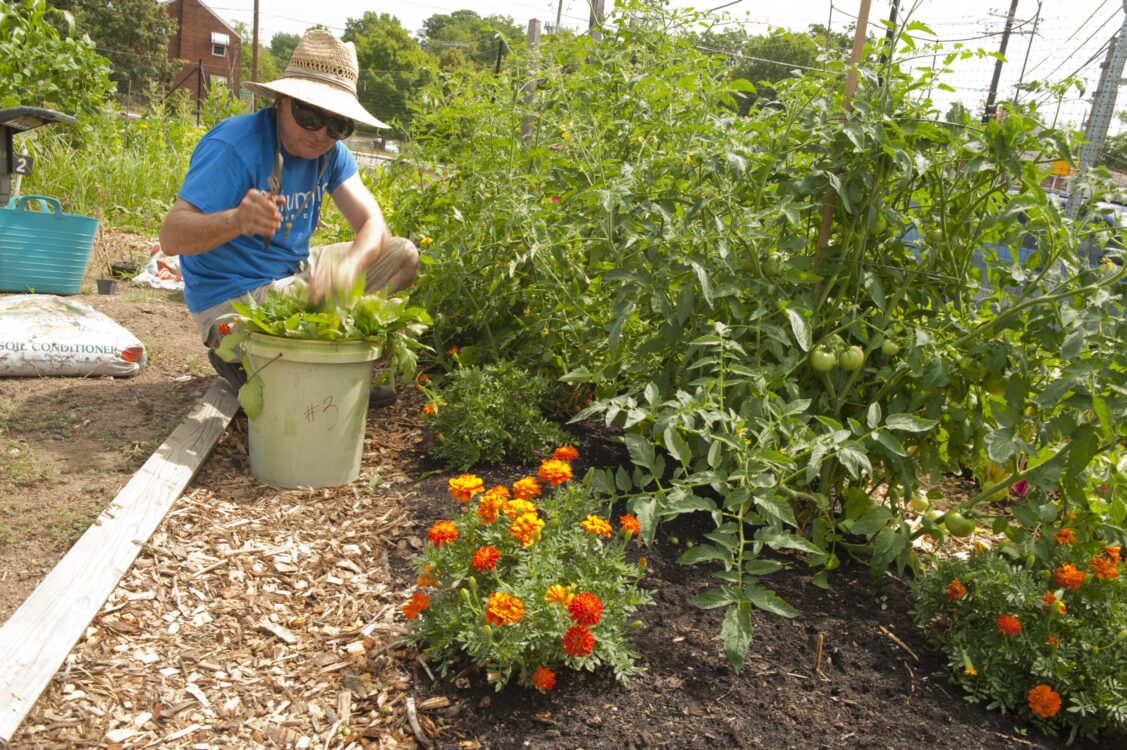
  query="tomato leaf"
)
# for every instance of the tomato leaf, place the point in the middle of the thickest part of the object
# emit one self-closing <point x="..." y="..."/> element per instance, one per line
<point x="735" y="632"/>
<point x="909" y="423"/>
<point x="799" y="329"/>
<point x="768" y="601"/>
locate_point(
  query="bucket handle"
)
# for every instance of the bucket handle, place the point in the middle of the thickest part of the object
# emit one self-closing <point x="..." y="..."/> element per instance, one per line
<point x="21" y="202"/>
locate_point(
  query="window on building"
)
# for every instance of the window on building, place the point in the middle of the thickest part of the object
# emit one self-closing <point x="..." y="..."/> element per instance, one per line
<point x="218" y="80"/>
<point x="219" y="44"/>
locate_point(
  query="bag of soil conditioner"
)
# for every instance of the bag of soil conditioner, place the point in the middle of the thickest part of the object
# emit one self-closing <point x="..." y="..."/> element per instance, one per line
<point x="48" y="335"/>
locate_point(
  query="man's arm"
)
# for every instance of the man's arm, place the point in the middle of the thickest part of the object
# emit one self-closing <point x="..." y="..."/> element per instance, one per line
<point x="189" y="231"/>
<point x="359" y="207"/>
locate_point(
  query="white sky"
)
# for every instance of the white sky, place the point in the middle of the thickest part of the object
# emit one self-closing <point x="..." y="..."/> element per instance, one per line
<point x="1070" y="36"/>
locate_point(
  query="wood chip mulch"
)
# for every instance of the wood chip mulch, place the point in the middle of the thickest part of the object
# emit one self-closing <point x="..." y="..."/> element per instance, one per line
<point x="254" y="618"/>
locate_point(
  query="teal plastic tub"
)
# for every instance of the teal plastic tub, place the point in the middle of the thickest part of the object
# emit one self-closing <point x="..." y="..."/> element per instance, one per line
<point x="43" y="251"/>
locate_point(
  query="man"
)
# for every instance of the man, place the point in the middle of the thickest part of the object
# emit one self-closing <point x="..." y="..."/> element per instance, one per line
<point x="243" y="232"/>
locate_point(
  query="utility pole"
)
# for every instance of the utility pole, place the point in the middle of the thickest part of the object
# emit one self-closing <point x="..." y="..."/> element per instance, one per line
<point x="254" y="46"/>
<point x="559" y="15"/>
<point x="988" y="112"/>
<point x="1103" y="107"/>
<point x="595" y="25"/>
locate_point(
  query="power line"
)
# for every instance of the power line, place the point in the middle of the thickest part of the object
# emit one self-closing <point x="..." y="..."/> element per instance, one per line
<point x="1073" y="34"/>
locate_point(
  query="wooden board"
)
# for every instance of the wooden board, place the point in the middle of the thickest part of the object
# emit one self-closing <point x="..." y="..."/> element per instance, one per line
<point x="35" y="641"/>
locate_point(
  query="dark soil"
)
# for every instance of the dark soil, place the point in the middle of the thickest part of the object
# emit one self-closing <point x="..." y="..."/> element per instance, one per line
<point x="879" y="685"/>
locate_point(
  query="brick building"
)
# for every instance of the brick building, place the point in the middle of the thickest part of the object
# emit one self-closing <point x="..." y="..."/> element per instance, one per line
<point x="203" y="37"/>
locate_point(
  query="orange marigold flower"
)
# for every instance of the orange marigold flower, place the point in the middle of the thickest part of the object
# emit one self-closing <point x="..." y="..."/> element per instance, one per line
<point x="526" y="489"/>
<point x="490" y="504"/>
<point x="554" y="472"/>
<point x="1008" y="626"/>
<point x="503" y="609"/>
<point x="585" y="608"/>
<point x="1044" y="701"/>
<point x="424" y="378"/>
<point x="565" y="453"/>
<point x="516" y="507"/>
<point x="452" y="351"/>
<point x="1112" y="553"/>
<point x="442" y="532"/>
<point x="561" y="595"/>
<point x="465" y="486"/>
<point x="485" y="558"/>
<point x="427" y="578"/>
<point x="1053" y="640"/>
<point x="578" y="642"/>
<point x="224" y="328"/>
<point x="430" y="410"/>
<point x="1054" y="604"/>
<point x="956" y="590"/>
<point x="1104" y="569"/>
<point x="596" y="526"/>
<point x="526" y="529"/>
<point x="1064" y="537"/>
<point x="1068" y="576"/>
<point x="418" y="603"/>
<point x="543" y="679"/>
<point x="630" y="524"/>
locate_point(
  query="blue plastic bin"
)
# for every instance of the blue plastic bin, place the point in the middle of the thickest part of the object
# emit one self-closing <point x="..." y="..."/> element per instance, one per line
<point x="43" y="251"/>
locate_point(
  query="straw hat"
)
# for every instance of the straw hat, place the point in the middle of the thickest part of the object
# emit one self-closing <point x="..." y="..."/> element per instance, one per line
<point x="322" y="72"/>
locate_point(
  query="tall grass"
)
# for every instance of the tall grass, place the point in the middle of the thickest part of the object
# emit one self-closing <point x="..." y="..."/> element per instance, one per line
<point x="124" y="170"/>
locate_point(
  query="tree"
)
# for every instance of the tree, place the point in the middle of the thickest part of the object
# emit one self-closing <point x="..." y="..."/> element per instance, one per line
<point x="132" y="34"/>
<point x="765" y="59"/>
<point x="475" y="36"/>
<point x="268" y="66"/>
<point x="282" y="46"/>
<point x="392" y="65"/>
<point x="39" y="66"/>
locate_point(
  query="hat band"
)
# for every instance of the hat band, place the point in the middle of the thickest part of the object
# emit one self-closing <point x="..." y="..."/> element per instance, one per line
<point x="335" y="82"/>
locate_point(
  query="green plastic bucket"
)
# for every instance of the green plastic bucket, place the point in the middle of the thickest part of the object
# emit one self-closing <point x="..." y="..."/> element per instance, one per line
<point x="43" y="251"/>
<point x="310" y="432"/>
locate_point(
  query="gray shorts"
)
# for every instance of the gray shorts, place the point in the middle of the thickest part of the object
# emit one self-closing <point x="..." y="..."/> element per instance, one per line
<point x="397" y="252"/>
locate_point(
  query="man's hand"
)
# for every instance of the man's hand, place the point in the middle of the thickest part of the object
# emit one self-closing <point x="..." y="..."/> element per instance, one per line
<point x="258" y="213"/>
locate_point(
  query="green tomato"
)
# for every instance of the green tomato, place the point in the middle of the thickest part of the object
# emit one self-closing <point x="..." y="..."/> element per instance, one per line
<point x="994" y="384"/>
<point x="890" y="348"/>
<point x="936" y="236"/>
<point x="822" y="359"/>
<point x="958" y="525"/>
<point x="852" y="358"/>
<point x="919" y="502"/>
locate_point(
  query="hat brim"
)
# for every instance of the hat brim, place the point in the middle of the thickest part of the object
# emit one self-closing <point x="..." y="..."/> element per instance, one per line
<point x="320" y="95"/>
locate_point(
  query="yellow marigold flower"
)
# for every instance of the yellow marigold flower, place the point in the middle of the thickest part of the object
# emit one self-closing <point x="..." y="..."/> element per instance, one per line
<point x="1064" y="537"/>
<point x="1053" y="604"/>
<point x="526" y="529"/>
<point x="970" y="671"/>
<point x="503" y="609"/>
<point x="516" y="507"/>
<point x="554" y="472"/>
<point x="561" y="595"/>
<point x="463" y="487"/>
<point x="526" y="488"/>
<point x="426" y="241"/>
<point x="596" y="526"/>
<point x="491" y="503"/>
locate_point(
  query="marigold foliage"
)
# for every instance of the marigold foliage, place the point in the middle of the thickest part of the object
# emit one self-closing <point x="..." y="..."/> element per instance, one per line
<point x="507" y="601"/>
<point x="1027" y="631"/>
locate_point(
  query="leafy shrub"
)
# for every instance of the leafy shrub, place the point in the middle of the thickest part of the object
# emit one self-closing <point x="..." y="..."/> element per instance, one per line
<point x="1040" y="628"/>
<point x="39" y="67"/>
<point x="522" y="590"/>
<point x="490" y="414"/>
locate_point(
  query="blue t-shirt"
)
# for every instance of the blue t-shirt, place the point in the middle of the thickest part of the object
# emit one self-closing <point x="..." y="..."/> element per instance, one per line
<point x="233" y="157"/>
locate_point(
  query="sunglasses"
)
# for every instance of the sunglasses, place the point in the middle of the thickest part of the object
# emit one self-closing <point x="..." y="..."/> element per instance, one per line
<point x="314" y="119"/>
